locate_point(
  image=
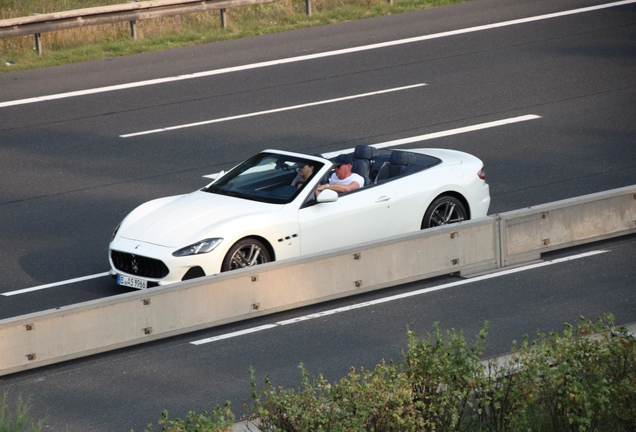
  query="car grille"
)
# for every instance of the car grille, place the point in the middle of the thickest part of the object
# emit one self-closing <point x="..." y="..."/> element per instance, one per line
<point x="139" y="265"/>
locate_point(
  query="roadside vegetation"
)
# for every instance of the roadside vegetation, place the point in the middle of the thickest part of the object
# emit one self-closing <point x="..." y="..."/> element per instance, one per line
<point x="110" y="40"/>
<point x="581" y="380"/>
<point x="14" y="415"/>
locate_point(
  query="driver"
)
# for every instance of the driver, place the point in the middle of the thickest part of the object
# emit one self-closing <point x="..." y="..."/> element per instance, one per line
<point x="342" y="180"/>
<point x="305" y="171"/>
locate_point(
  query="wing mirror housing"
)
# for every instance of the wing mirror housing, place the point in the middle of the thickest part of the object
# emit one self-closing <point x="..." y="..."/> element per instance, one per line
<point x="327" y="195"/>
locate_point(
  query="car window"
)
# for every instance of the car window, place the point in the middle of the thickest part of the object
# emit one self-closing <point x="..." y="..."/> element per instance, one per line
<point x="265" y="177"/>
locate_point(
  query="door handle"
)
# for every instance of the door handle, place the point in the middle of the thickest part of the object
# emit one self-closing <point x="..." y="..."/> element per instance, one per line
<point x="383" y="198"/>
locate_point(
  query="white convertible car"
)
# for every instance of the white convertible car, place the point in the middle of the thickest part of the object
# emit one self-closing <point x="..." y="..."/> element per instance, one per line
<point x="257" y="212"/>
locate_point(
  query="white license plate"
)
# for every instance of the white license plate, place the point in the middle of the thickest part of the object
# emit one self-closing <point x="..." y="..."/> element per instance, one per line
<point x="132" y="282"/>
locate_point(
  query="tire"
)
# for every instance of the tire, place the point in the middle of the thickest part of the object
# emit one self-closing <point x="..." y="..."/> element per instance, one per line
<point x="245" y="253"/>
<point x="444" y="210"/>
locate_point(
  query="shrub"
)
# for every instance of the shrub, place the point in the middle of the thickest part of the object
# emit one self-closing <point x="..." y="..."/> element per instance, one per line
<point x="573" y="382"/>
<point x="220" y="419"/>
<point x="444" y="374"/>
<point x="583" y="380"/>
<point x="378" y="400"/>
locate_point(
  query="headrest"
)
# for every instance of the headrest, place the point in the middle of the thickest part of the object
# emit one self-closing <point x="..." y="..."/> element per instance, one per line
<point x="399" y="158"/>
<point x="364" y="152"/>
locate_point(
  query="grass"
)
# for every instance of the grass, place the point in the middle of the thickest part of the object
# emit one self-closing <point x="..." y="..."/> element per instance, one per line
<point x="111" y="40"/>
<point x="14" y="416"/>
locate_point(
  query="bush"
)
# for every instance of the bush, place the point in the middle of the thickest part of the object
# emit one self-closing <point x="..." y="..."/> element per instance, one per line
<point x="584" y="380"/>
<point x="220" y="419"/>
<point x="444" y="374"/>
<point x="380" y="400"/>
<point x="581" y="382"/>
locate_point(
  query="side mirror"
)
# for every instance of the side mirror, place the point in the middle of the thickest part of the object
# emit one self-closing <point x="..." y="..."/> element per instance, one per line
<point x="327" y="195"/>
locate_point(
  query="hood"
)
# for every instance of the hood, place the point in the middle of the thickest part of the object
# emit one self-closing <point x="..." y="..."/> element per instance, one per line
<point x="185" y="219"/>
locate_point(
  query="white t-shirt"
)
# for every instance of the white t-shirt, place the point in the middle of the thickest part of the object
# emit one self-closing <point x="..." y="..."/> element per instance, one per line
<point x="352" y="178"/>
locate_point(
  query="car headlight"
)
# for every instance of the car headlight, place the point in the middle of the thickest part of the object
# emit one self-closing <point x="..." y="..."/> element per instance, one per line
<point x="204" y="246"/>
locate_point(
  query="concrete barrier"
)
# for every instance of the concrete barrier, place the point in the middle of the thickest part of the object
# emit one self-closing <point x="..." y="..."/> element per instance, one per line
<point x="74" y="331"/>
<point x="480" y="245"/>
<point x="526" y="234"/>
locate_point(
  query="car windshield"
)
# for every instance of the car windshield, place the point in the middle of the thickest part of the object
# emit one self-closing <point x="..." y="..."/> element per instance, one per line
<point x="267" y="177"/>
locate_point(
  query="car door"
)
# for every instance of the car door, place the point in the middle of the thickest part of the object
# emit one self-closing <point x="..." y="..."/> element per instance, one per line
<point x="356" y="217"/>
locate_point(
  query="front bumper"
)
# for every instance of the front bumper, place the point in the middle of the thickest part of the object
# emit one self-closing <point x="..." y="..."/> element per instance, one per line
<point x="155" y="264"/>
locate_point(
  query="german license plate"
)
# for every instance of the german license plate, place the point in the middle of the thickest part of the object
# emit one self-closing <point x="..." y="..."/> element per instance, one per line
<point x="132" y="282"/>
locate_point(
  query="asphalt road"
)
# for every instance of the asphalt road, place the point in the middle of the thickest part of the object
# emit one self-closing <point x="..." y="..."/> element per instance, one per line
<point x="67" y="177"/>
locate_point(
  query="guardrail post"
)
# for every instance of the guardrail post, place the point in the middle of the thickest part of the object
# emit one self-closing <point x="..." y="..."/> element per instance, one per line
<point x="223" y="20"/>
<point x="38" y="43"/>
<point x="308" y="7"/>
<point x="133" y="29"/>
<point x="38" y="40"/>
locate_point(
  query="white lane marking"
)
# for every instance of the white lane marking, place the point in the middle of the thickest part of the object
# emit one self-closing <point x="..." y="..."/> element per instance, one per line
<point x="55" y="284"/>
<point x="409" y="140"/>
<point x="272" y="111"/>
<point x="445" y="133"/>
<point x="235" y="334"/>
<point x="399" y="296"/>
<point x="311" y="56"/>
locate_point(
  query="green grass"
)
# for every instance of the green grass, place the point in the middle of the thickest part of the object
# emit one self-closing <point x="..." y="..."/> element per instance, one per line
<point x="112" y="40"/>
<point x="15" y="417"/>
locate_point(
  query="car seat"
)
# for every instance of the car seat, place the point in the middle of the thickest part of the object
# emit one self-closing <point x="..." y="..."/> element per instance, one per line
<point x="362" y="159"/>
<point x="397" y="165"/>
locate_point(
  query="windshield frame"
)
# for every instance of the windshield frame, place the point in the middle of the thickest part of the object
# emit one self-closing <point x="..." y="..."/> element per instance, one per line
<point x="265" y="177"/>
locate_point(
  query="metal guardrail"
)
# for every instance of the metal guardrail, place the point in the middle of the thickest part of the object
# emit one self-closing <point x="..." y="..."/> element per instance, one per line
<point x="480" y="245"/>
<point x="133" y="11"/>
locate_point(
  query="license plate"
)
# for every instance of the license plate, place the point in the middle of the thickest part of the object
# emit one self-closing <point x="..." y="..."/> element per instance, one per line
<point x="132" y="282"/>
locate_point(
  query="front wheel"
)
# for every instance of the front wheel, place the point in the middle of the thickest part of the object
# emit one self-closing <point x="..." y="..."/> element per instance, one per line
<point x="245" y="253"/>
<point x="443" y="211"/>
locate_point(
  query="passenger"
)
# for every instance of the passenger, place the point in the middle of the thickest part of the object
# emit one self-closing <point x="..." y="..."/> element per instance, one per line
<point x="342" y="180"/>
<point x="305" y="171"/>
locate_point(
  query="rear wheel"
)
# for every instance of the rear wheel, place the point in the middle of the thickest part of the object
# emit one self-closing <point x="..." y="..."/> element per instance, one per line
<point x="443" y="211"/>
<point x="245" y="253"/>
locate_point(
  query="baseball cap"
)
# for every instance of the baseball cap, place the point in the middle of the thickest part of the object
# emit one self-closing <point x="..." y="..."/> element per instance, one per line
<point x="343" y="159"/>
